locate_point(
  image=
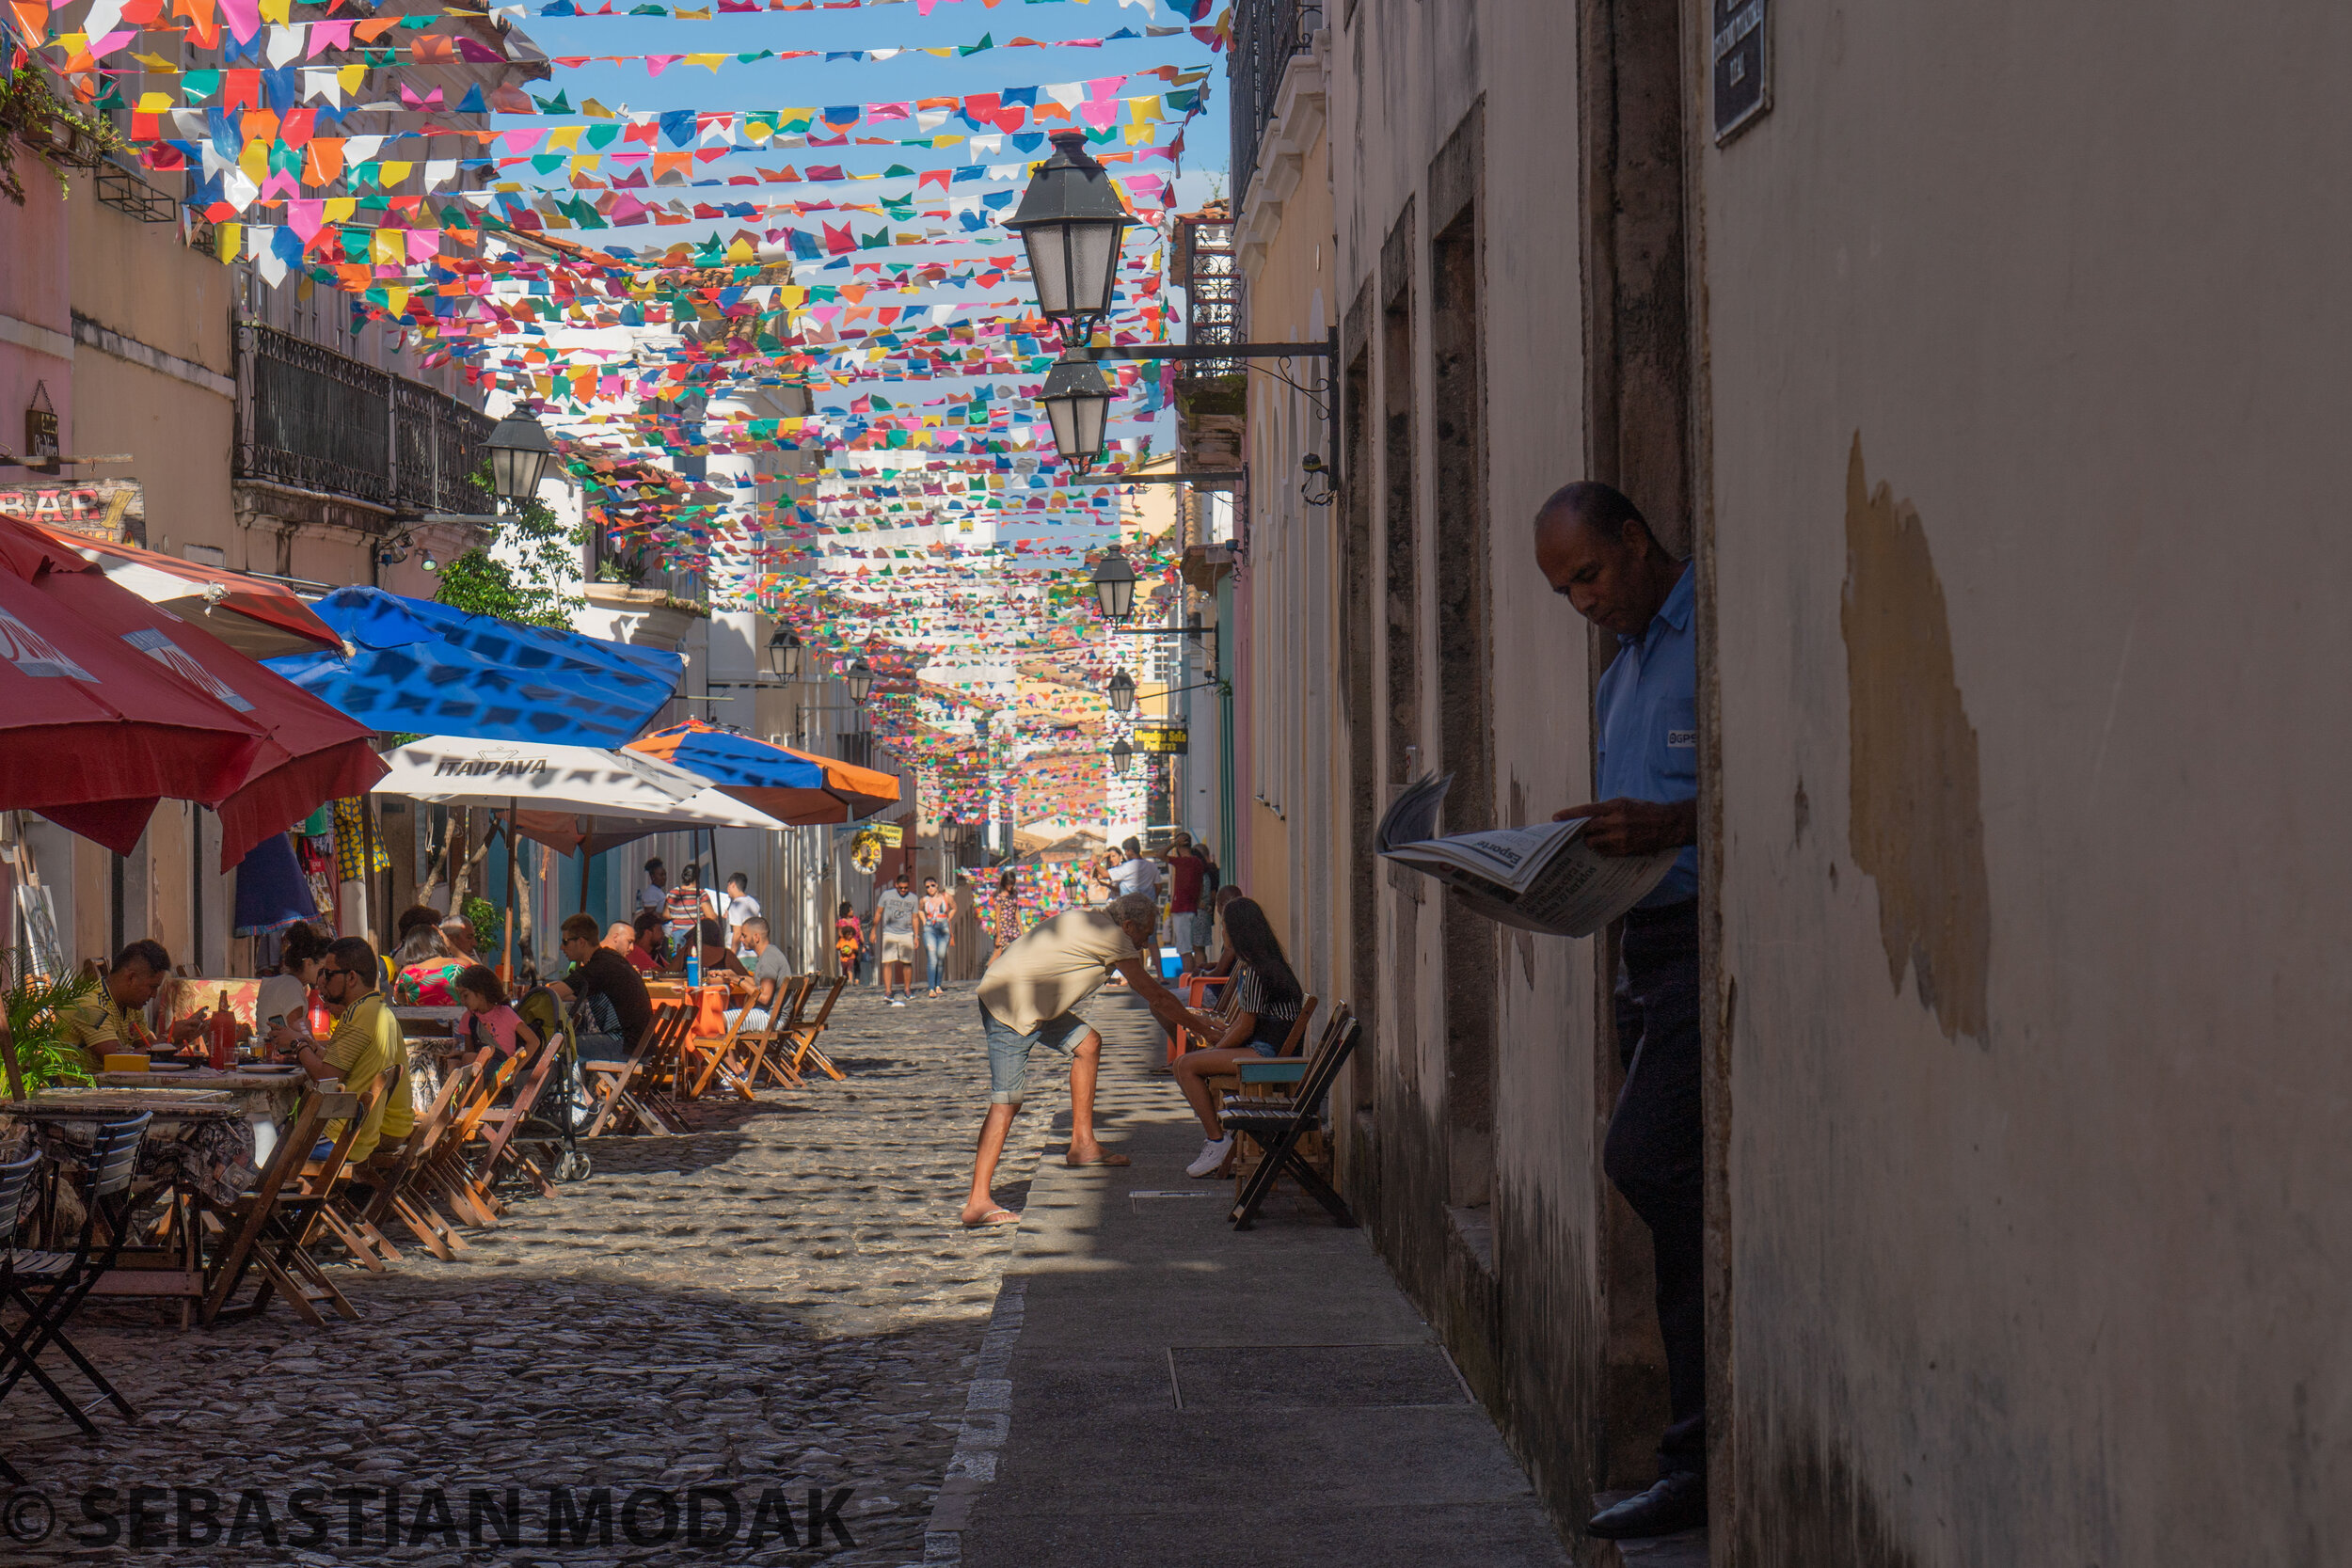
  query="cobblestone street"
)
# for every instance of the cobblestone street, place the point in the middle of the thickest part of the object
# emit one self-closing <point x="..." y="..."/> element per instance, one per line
<point x="782" y="1298"/>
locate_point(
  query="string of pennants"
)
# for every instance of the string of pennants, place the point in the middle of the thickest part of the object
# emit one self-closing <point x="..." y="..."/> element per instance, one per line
<point x="461" y="249"/>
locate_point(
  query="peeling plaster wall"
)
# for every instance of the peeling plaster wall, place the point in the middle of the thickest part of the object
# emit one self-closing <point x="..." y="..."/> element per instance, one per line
<point x="2026" y="335"/>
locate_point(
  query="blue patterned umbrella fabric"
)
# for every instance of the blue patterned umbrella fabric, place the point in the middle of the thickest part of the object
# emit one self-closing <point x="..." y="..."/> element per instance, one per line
<point x="410" y="665"/>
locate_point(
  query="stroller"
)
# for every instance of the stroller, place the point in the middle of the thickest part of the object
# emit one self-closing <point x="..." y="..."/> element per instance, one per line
<point x="563" y="1108"/>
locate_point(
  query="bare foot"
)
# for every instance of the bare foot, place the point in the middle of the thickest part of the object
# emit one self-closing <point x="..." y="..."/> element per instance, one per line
<point x="1093" y="1154"/>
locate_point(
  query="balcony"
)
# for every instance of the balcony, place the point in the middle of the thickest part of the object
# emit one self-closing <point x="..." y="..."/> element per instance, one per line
<point x="1266" y="33"/>
<point x="315" y="421"/>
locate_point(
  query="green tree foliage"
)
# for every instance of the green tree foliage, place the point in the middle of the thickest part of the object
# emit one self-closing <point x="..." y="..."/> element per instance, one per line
<point x="531" y="592"/>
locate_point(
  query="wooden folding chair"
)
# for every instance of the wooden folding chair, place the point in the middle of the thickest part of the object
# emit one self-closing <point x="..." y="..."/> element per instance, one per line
<point x="463" y="1190"/>
<point x="1278" y="1123"/>
<point x="716" y="1054"/>
<point x="368" y="1246"/>
<point x="394" y="1199"/>
<point x="617" y="1083"/>
<point x="747" y="1055"/>
<point x="1227" y="1084"/>
<point x="500" y="1122"/>
<point x="802" y="1037"/>
<point x="268" y="1228"/>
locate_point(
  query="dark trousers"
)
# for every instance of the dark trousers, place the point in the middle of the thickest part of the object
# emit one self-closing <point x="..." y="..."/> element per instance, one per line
<point x="1656" y="1146"/>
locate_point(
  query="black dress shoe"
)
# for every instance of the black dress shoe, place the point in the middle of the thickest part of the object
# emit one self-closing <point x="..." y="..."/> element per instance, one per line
<point x="1677" y="1502"/>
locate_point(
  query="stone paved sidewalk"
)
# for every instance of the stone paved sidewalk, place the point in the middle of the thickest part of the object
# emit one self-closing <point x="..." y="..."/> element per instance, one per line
<point x="783" y="1298"/>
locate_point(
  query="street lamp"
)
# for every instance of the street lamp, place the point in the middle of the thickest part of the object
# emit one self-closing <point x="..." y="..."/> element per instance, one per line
<point x="1115" y="588"/>
<point x="1071" y="221"/>
<point x="519" y="453"/>
<point x="783" y="654"/>
<point x="1122" y="693"/>
<point x="1078" y="400"/>
<point x="1121" y="754"/>
<point x="861" y="678"/>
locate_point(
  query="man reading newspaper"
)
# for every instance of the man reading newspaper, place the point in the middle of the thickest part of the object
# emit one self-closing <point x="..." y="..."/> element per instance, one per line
<point x="1595" y="549"/>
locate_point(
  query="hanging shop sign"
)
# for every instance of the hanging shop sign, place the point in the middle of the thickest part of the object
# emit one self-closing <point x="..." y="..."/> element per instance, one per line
<point x="41" y="428"/>
<point x="1167" y="742"/>
<point x="110" y="509"/>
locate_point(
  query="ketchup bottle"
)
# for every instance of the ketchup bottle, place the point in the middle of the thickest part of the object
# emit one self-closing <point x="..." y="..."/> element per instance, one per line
<point x="223" y="1028"/>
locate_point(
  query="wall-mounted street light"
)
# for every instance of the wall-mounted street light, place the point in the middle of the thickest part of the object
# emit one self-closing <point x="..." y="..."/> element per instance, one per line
<point x="1078" y="400"/>
<point x="1071" y="221"/>
<point x="783" y="654"/>
<point x="861" y="679"/>
<point x="1115" y="588"/>
<point x="1121" y="693"/>
<point x="1121" y="754"/>
<point x="519" y="454"/>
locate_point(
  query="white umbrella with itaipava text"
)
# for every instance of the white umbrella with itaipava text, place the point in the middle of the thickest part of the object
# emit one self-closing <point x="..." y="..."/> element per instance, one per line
<point x="568" y="798"/>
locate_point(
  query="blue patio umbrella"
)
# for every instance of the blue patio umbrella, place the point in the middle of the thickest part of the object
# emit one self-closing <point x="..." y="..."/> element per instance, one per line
<point x="410" y="665"/>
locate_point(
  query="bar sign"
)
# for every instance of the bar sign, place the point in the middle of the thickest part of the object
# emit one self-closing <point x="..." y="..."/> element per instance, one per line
<point x="1743" y="65"/>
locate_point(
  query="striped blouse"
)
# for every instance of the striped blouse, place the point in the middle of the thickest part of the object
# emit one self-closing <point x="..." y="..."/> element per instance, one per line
<point x="1275" y="1015"/>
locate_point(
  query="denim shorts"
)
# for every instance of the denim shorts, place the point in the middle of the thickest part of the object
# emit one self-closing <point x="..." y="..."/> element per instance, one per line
<point x="1009" y="1050"/>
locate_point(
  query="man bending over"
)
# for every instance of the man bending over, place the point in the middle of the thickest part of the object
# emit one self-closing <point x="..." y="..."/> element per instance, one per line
<point x="1025" y="1001"/>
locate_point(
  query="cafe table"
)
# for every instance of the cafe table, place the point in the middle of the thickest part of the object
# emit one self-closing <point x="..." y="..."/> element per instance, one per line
<point x="268" y="1095"/>
<point x="202" y="1142"/>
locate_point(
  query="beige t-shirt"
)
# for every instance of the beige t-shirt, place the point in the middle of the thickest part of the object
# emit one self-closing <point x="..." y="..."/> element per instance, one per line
<point x="1059" y="964"/>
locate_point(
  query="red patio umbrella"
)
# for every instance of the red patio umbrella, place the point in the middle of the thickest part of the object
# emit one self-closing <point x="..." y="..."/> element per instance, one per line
<point x="86" y="718"/>
<point x="256" y="618"/>
<point x="302" y="751"/>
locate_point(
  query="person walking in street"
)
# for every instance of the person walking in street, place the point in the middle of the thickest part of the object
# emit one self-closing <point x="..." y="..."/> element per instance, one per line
<point x="1596" y="548"/>
<point x="939" y="913"/>
<point x="1026" y="1000"/>
<point x="1266" y="999"/>
<point x="1185" y="873"/>
<point x="1004" y="915"/>
<point x="894" y="914"/>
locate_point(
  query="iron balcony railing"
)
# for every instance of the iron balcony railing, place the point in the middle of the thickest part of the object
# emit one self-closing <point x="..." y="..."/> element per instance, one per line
<point x="1266" y="33"/>
<point x="314" y="419"/>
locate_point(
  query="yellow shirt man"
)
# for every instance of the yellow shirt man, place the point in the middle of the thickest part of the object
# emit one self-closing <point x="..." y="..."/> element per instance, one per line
<point x="98" y="1025"/>
<point x="367" y="1039"/>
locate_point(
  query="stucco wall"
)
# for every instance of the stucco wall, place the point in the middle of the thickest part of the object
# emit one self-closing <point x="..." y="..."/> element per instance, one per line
<point x="2027" y="331"/>
<point x="1525" y="1324"/>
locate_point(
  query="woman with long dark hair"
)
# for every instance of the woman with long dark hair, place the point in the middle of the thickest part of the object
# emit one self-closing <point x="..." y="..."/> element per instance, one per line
<point x="1267" y="1002"/>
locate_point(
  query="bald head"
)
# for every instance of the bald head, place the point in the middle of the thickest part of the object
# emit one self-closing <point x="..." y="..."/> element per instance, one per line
<point x="1596" y="548"/>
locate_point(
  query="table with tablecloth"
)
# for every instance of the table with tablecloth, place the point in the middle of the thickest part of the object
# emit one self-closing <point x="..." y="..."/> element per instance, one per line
<point x="269" y="1098"/>
<point x="201" y="1139"/>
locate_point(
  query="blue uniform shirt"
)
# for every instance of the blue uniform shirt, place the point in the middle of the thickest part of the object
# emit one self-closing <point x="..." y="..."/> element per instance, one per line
<point x="1649" y="724"/>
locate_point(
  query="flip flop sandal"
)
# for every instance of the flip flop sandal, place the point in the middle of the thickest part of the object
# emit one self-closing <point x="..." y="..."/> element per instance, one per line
<point x="992" y="1219"/>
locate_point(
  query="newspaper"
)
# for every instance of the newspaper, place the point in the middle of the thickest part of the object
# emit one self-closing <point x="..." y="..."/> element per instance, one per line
<point x="1538" y="878"/>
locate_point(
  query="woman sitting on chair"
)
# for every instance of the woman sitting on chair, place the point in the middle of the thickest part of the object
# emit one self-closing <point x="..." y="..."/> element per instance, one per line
<point x="1266" y="1001"/>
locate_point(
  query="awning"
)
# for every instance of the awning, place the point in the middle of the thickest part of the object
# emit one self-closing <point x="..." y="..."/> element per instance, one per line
<point x="256" y="618"/>
<point x="309" y="753"/>
<point x="419" y="666"/>
<point x="564" y="796"/>
<point x="85" y="717"/>
<point x="792" y="787"/>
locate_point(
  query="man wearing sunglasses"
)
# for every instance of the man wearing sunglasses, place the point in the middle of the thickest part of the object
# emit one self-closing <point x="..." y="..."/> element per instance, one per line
<point x="367" y="1039"/>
